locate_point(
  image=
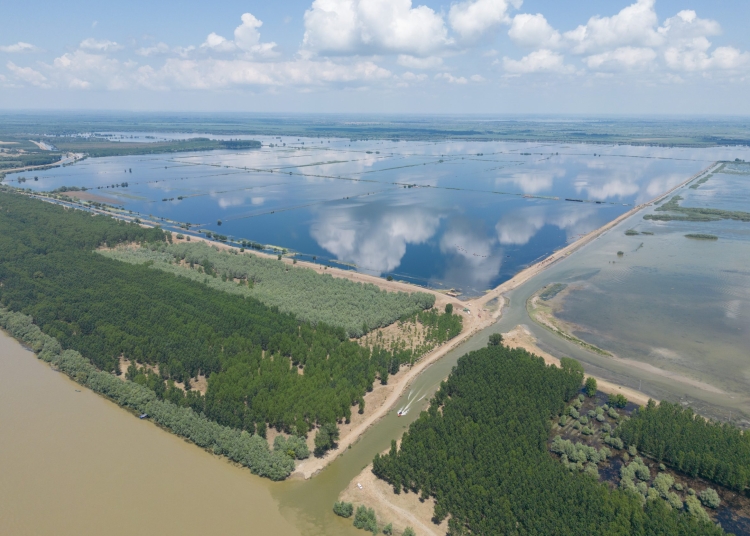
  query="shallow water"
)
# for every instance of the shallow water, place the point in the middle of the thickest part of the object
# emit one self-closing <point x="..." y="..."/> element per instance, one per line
<point x="464" y="215"/>
<point x="680" y="305"/>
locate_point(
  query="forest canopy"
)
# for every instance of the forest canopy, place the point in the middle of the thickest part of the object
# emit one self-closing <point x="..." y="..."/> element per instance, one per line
<point x="264" y="367"/>
<point x="481" y="452"/>
<point x="310" y="296"/>
<point x="718" y="452"/>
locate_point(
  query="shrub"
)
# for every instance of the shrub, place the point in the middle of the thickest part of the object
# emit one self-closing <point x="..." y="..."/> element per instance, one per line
<point x="614" y="442"/>
<point x="293" y="446"/>
<point x="583" y="419"/>
<point x="581" y="398"/>
<point x="365" y="519"/>
<point x="710" y="498"/>
<point x="591" y="414"/>
<point x="674" y="500"/>
<point x="577" y="425"/>
<point x="663" y="483"/>
<point x="496" y="339"/>
<point x="613" y="413"/>
<point x="563" y="420"/>
<point x="388" y="529"/>
<point x="693" y="506"/>
<point x="590" y="386"/>
<point x="606" y="428"/>
<point x="449" y="310"/>
<point x="618" y="401"/>
<point x="343" y="509"/>
<point x="408" y="531"/>
<point x="573" y="412"/>
<point x="601" y="418"/>
<point x="632" y="450"/>
<point x="586" y="430"/>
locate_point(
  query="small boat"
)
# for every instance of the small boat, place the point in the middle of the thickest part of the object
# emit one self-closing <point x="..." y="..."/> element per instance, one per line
<point x="143" y="416"/>
<point x="401" y="413"/>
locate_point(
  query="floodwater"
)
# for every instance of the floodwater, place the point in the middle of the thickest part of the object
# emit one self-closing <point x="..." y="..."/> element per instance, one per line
<point x="463" y="215"/>
<point x="673" y="310"/>
<point x="74" y="463"/>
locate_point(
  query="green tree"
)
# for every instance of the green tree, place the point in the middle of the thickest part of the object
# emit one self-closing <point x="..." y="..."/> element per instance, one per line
<point x="590" y="386"/>
<point x="448" y="308"/>
<point x="496" y="339"/>
<point x="343" y="509"/>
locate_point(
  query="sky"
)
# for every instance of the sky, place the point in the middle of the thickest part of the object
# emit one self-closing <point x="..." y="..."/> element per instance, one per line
<point x="686" y="57"/>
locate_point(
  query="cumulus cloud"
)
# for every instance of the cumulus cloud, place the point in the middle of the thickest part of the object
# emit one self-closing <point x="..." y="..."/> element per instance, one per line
<point x="158" y="49"/>
<point x="451" y="79"/>
<point x="412" y="62"/>
<point x="627" y="57"/>
<point x="634" y="25"/>
<point x="538" y="61"/>
<point x="246" y="39"/>
<point x="99" y="46"/>
<point x="373" y="26"/>
<point x="533" y="31"/>
<point x="472" y="18"/>
<point x="27" y="74"/>
<point x="18" y="47"/>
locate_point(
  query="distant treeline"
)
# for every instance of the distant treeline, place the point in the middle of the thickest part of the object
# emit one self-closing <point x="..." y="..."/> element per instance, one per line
<point x="481" y="452"/>
<point x="694" y="445"/>
<point x="264" y="366"/>
<point x="310" y="296"/>
<point x="249" y="450"/>
<point x="29" y="159"/>
<point x="99" y="147"/>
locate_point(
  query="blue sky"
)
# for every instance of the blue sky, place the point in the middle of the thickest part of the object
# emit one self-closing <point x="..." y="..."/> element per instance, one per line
<point x="466" y="56"/>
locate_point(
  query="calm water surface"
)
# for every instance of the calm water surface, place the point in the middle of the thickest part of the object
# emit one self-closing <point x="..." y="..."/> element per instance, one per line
<point x="465" y="215"/>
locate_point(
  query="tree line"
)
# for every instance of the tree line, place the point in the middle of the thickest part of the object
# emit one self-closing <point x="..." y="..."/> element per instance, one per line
<point x="310" y="296"/>
<point x="718" y="452"/>
<point x="251" y="451"/>
<point x="481" y="451"/>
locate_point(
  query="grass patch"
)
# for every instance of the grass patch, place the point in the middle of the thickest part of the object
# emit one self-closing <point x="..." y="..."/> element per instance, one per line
<point x="552" y="290"/>
<point x="679" y="213"/>
<point x="701" y="236"/>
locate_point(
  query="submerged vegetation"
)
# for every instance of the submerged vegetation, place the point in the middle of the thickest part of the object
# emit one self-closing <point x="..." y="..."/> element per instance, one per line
<point x="702" y="236"/>
<point x="680" y="213"/>
<point x="552" y="290"/>
<point x="481" y="452"/>
<point x="264" y="367"/>
<point x="310" y="296"/>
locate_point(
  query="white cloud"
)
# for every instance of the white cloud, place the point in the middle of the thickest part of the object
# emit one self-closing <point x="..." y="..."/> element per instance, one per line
<point x="634" y="25"/>
<point x="451" y="79"/>
<point x="687" y="25"/>
<point x="99" y="46"/>
<point x="27" y="74"/>
<point x="471" y="18"/>
<point x="412" y="62"/>
<point x="538" y="61"/>
<point x="533" y="31"/>
<point x="82" y="70"/>
<point x="693" y="56"/>
<point x="246" y="39"/>
<point x="158" y="49"/>
<point x="623" y="57"/>
<point x="215" y="74"/>
<point x="373" y="26"/>
<point x="477" y="78"/>
<point x="19" y="47"/>
<point x="411" y="77"/>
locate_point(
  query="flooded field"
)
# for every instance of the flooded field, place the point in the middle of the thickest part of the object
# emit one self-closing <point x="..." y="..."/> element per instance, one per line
<point x="674" y="312"/>
<point x="463" y="215"/>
